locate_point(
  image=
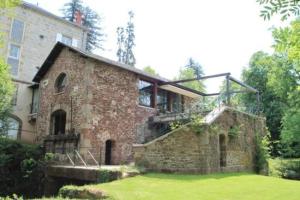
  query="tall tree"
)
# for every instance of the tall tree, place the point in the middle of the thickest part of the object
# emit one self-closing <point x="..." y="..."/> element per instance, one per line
<point x="95" y="36"/>
<point x="195" y="66"/>
<point x="192" y="70"/>
<point x="90" y="19"/>
<point x="126" y="42"/>
<point x="257" y="75"/>
<point x="286" y="80"/>
<point x="69" y="9"/>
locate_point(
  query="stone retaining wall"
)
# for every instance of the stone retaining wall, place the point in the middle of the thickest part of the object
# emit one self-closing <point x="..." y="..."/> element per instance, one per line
<point x="183" y="150"/>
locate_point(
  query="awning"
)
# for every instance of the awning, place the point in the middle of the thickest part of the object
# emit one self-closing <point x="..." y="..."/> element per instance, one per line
<point x="179" y="90"/>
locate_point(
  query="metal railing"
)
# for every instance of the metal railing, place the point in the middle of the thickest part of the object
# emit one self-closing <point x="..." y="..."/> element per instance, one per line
<point x="75" y="158"/>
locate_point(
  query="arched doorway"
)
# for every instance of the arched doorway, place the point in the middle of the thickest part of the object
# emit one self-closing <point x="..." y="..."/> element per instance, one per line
<point x="108" y="152"/>
<point x="58" y="122"/>
<point x="222" y="150"/>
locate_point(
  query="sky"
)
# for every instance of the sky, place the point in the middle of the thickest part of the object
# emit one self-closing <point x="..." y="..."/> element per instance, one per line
<point x="220" y="35"/>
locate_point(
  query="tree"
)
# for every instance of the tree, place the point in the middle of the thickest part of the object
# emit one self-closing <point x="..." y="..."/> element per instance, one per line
<point x="95" y="36"/>
<point x="6" y="86"/>
<point x="196" y="67"/>
<point x="257" y="75"/>
<point x="70" y="9"/>
<point x="192" y="70"/>
<point x="126" y="42"/>
<point x="150" y="70"/>
<point x="90" y="19"/>
<point x="286" y="80"/>
<point x="9" y="3"/>
<point x="285" y="8"/>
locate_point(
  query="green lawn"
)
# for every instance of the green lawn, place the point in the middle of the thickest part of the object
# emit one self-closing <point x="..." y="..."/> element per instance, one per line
<point x="235" y="186"/>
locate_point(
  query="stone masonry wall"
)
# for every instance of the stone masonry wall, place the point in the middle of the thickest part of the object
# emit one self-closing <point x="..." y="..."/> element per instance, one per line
<point x="183" y="150"/>
<point x="104" y="105"/>
<point x="74" y="96"/>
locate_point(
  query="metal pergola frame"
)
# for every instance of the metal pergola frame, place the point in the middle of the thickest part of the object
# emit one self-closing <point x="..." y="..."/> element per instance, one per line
<point x="228" y="78"/>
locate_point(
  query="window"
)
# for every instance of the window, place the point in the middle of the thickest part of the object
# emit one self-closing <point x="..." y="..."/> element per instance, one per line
<point x="17" y="31"/>
<point x="58" y="122"/>
<point x="15" y="96"/>
<point x="145" y="93"/>
<point x="60" y="82"/>
<point x="177" y="104"/>
<point x="35" y="100"/>
<point x="14" y="51"/>
<point x="162" y="100"/>
<point x="10" y="127"/>
<point x="66" y="40"/>
<point x="13" y="58"/>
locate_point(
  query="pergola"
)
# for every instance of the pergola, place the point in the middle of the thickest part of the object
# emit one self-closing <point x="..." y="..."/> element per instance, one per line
<point x="228" y="92"/>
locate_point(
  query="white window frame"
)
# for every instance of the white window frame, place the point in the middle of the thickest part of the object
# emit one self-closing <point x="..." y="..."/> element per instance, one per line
<point x="11" y="28"/>
<point x="60" y="36"/>
<point x="12" y="57"/>
<point x="19" y="53"/>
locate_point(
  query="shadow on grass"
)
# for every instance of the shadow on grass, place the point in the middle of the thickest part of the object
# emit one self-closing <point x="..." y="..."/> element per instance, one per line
<point x="195" y="177"/>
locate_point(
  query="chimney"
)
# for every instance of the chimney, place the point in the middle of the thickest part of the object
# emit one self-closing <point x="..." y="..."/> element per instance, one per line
<point x="78" y="17"/>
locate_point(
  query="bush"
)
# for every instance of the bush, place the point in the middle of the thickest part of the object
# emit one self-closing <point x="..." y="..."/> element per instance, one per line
<point x="262" y="154"/>
<point x="21" y="169"/>
<point x="285" y="168"/>
<point x="105" y="176"/>
<point x="75" y="192"/>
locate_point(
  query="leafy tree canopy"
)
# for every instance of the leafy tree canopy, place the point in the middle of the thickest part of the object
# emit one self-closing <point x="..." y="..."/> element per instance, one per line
<point x="192" y="70"/>
<point x="285" y="8"/>
<point x="6" y="88"/>
<point x="9" y="3"/>
<point x="277" y="77"/>
<point x="150" y="70"/>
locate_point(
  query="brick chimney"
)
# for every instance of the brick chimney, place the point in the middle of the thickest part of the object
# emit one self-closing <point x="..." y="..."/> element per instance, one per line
<point x="78" y="17"/>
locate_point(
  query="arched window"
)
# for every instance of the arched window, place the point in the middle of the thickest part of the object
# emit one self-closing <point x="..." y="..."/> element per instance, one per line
<point x="11" y="127"/>
<point x="61" y="82"/>
<point x="58" y="122"/>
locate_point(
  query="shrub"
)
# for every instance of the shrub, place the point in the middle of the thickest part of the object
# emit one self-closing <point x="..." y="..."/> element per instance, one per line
<point x="290" y="170"/>
<point x="262" y="153"/>
<point x="21" y="169"/>
<point x="108" y="175"/>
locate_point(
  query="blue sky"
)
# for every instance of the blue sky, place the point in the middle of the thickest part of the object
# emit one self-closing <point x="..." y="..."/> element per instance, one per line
<point x="220" y="35"/>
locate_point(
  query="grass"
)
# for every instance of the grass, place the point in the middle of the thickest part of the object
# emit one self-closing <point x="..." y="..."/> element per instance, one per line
<point x="233" y="186"/>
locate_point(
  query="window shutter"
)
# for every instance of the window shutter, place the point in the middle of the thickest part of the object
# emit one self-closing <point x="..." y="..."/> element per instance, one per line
<point x="59" y="37"/>
<point x="74" y="42"/>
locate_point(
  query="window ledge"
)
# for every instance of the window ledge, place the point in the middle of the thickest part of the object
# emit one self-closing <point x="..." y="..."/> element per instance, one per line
<point x="59" y="93"/>
<point x="147" y="107"/>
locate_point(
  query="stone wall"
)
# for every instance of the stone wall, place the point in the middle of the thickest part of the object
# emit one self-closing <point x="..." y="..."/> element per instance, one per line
<point x="183" y="150"/>
<point x="104" y="105"/>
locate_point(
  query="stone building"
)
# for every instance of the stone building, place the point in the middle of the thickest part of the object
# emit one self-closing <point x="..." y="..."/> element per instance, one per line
<point x="30" y="32"/>
<point x="117" y="114"/>
<point x="95" y="105"/>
